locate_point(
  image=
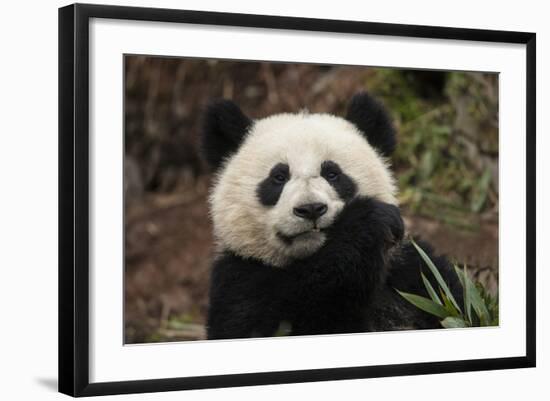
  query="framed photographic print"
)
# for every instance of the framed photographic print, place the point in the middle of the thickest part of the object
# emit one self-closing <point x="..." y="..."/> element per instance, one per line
<point x="251" y="199"/>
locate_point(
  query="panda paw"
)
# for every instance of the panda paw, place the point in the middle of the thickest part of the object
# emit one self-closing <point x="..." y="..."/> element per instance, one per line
<point x="370" y="222"/>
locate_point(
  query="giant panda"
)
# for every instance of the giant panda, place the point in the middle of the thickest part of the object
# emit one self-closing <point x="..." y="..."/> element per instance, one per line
<point x="309" y="236"/>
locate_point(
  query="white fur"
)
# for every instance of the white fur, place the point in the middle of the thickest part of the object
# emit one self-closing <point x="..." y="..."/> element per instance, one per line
<point x="303" y="141"/>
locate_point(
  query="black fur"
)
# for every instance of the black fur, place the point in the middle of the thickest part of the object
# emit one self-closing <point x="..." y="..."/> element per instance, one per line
<point x="246" y="298"/>
<point x="224" y="128"/>
<point x="270" y="189"/>
<point x="347" y="286"/>
<point x="371" y="118"/>
<point x="342" y="183"/>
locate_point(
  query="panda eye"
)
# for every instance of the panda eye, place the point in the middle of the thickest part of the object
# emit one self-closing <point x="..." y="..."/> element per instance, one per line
<point x="332" y="176"/>
<point x="279" y="178"/>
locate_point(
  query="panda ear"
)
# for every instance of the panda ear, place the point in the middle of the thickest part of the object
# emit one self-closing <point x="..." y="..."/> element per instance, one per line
<point x="372" y="119"/>
<point x="224" y="128"/>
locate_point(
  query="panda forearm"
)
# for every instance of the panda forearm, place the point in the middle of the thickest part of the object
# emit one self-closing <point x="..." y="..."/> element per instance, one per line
<point x="332" y="288"/>
<point x="355" y="249"/>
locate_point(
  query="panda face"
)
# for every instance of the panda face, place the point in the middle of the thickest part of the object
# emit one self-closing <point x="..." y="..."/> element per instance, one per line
<point x="274" y="198"/>
<point x="302" y="201"/>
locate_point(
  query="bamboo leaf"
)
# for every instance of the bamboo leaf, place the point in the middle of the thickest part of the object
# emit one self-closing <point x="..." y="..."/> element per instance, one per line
<point x="466" y="291"/>
<point x="430" y="289"/>
<point x="449" y="306"/>
<point x="467" y="295"/>
<point x="436" y="274"/>
<point x="478" y="304"/>
<point x="453" y="323"/>
<point x="459" y="274"/>
<point x="427" y="305"/>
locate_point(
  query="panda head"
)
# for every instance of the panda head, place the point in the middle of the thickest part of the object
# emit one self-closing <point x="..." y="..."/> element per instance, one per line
<point x="281" y="181"/>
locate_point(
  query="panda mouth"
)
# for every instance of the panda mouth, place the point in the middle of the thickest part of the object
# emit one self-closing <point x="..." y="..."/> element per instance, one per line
<point x="288" y="239"/>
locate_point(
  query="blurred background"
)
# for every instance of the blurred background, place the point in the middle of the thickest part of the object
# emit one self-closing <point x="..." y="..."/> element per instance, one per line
<point x="446" y="164"/>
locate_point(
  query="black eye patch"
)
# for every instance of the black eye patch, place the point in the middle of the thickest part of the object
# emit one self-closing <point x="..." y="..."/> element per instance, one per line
<point x="342" y="183"/>
<point x="270" y="189"/>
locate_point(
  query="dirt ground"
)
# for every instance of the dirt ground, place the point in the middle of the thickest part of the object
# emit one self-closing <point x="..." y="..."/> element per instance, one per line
<point x="168" y="254"/>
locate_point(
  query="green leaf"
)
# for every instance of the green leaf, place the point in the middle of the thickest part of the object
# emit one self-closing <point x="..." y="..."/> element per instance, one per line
<point x="430" y="289"/>
<point x="427" y="305"/>
<point x="478" y="304"/>
<point x="436" y="274"/>
<point x="459" y="274"/>
<point x="453" y="323"/>
<point x="467" y="293"/>
<point x="481" y="191"/>
<point x="449" y="306"/>
<point x="467" y="296"/>
<point x="491" y="302"/>
<point x="426" y="164"/>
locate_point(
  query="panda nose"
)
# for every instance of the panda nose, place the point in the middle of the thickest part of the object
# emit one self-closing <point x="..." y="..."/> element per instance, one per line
<point x="310" y="211"/>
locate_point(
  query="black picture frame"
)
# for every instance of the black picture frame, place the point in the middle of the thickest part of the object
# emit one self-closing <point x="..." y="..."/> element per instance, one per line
<point x="74" y="198"/>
